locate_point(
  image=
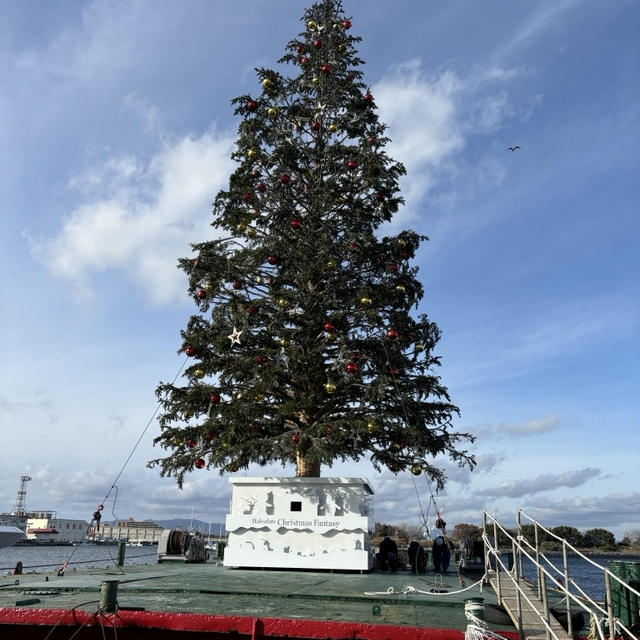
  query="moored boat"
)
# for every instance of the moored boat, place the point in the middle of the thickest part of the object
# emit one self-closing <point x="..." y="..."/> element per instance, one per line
<point x="10" y="535"/>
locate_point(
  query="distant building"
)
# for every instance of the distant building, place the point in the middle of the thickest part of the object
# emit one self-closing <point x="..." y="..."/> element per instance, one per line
<point x="54" y="530"/>
<point x="130" y="530"/>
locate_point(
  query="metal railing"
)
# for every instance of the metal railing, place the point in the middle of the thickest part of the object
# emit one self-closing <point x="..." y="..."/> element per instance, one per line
<point x="522" y="548"/>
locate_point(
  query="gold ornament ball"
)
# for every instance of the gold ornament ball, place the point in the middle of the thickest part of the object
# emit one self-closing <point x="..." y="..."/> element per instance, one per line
<point x="177" y="442"/>
<point x="371" y="426"/>
<point x="402" y="242"/>
<point x="311" y="25"/>
<point x="241" y="227"/>
<point x="251" y="232"/>
<point x="330" y="336"/>
<point x="188" y="415"/>
<point x="208" y="287"/>
<point x="416" y="469"/>
<point x="267" y="82"/>
<point x="330" y="264"/>
<point x="419" y="346"/>
<point x="400" y="287"/>
<point x="259" y="280"/>
<point x="260" y="397"/>
<point x="365" y="300"/>
<point x="333" y="127"/>
<point x="239" y="395"/>
<point x="282" y="303"/>
<point x="284" y="342"/>
<point x="329" y="387"/>
<point x="198" y="373"/>
<point x="316" y="80"/>
<point x="252" y="153"/>
<point x="272" y="111"/>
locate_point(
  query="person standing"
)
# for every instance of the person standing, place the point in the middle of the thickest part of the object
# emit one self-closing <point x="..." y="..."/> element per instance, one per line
<point x="388" y="554"/>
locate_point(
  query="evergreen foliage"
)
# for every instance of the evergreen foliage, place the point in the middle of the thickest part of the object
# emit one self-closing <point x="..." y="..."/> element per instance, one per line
<point x="331" y="359"/>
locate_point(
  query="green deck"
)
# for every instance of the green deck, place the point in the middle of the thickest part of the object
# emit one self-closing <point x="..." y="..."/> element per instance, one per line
<point x="213" y="589"/>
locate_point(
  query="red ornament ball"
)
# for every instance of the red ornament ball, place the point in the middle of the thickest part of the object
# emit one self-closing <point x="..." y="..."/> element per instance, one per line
<point x="304" y="60"/>
<point x="214" y="398"/>
<point x="380" y="197"/>
<point x="252" y="105"/>
<point x="353" y="246"/>
<point x="368" y="96"/>
<point x="393" y="267"/>
<point x="237" y="284"/>
<point x="346" y="24"/>
<point x="315" y="125"/>
<point x="261" y="187"/>
<point x="394" y="371"/>
<point x="328" y="429"/>
<point x="317" y="44"/>
<point x="261" y="359"/>
<point x="392" y="334"/>
<point x="272" y="259"/>
<point x="285" y="178"/>
<point x="351" y="367"/>
<point x="329" y="326"/>
<point x="201" y="293"/>
<point x="199" y="463"/>
<point x="190" y="351"/>
<point x="299" y="48"/>
<point x="352" y="164"/>
<point x="246" y="197"/>
<point x="326" y="69"/>
<point x="211" y="436"/>
<point x="251" y="310"/>
<point x="296" y="224"/>
<point x="191" y="442"/>
<point x="296" y="438"/>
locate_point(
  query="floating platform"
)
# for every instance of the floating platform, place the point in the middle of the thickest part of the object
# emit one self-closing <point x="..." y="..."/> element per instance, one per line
<point x="239" y="603"/>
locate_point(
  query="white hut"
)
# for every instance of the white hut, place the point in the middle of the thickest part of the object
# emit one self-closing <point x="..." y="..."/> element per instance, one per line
<point x="300" y="523"/>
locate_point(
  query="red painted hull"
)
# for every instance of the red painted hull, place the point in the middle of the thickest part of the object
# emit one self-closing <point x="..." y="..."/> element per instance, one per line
<point x="28" y="624"/>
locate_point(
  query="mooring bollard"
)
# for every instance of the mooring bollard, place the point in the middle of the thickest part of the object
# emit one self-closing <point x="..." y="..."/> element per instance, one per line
<point x="108" y="596"/>
<point x="121" y="549"/>
<point x="474" y="607"/>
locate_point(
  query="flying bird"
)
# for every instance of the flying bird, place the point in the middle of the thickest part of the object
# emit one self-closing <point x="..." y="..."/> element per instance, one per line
<point x="513" y="148"/>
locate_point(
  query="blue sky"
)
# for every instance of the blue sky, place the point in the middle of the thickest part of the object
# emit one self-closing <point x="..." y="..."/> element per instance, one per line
<point x="115" y="134"/>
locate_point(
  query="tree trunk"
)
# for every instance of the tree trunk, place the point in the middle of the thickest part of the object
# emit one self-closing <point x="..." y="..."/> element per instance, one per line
<point x="306" y="467"/>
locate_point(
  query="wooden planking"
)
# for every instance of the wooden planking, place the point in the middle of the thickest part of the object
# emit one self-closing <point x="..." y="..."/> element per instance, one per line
<point x="533" y="627"/>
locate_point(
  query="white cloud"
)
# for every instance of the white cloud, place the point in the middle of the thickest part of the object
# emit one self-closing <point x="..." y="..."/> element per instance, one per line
<point x="530" y="427"/>
<point x="431" y="120"/>
<point x="541" y="483"/>
<point x="140" y="218"/>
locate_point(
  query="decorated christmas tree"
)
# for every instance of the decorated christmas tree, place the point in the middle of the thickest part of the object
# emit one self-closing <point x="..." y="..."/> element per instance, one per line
<point x="308" y="346"/>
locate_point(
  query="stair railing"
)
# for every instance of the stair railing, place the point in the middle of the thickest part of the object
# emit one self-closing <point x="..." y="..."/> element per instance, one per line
<point x="521" y="548"/>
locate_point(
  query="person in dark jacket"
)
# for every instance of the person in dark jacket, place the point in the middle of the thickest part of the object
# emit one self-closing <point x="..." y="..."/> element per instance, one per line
<point x="417" y="557"/>
<point x="441" y="554"/>
<point x="388" y="554"/>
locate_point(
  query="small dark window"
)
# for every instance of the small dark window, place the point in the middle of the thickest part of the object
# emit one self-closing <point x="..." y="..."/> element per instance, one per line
<point x="296" y="506"/>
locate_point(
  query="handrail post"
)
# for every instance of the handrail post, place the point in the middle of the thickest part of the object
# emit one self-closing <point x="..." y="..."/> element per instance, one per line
<point x="487" y="564"/>
<point x="518" y="597"/>
<point x="519" y="558"/>
<point x="544" y="597"/>
<point x="539" y="573"/>
<point x="607" y="595"/>
<point x="567" y="584"/>
<point x="496" y="557"/>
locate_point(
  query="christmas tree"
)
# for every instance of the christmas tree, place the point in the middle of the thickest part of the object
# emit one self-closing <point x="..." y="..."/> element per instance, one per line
<point x="304" y="348"/>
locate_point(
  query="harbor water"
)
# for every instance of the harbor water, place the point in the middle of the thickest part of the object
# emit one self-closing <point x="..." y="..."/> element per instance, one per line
<point x="590" y="578"/>
<point x="47" y="558"/>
